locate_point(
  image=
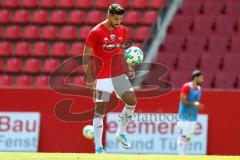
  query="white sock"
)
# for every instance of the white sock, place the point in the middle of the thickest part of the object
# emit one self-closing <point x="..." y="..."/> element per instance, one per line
<point x="126" y="117"/>
<point x="98" y="130"/>
<point x="182" y="145"/>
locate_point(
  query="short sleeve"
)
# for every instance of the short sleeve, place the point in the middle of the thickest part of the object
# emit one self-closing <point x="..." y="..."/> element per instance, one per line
<point x="91" y="39"/>
<point x="185" y="89"/>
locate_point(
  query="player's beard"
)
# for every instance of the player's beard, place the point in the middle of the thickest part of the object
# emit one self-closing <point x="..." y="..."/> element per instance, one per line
<point x="199" y="84"/>
<point x="112" y="25"/>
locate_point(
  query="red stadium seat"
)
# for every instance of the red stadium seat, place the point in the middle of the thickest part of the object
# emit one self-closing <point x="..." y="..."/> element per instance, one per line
<point x="186" y="22"/>
<point x="123" y="3"/>
<point x="50" y="32"/>
<point x="192" y="7"/>
<point x="129" y="33"/>
<point x="218" y="44"/>
<point x="211" y="63"/>
<point x="58" y="17"/>
<point x="40" y="49"/>
<point x="1" y="32"/>
<point x="76" y="17"/>
<point x="59" y="80"/>
<point x="231" y="63"/>
<point x="31" y="32"/>
<point x="69" y="66"/>
<point x="103" y="3"/>
<point x="150" y="17"/>
<point x="41" y="81"/>
<point x="203" y="25"/>
<point x="79" y="81"/>
<point x="76" y="49"/>
<point x="232" y="7"/>
<point x="68" y="33"/>
<point x="24" y="81"/>
<point x="6" y="80"/>
<point x="178" y="78"/>
<point x="83" y="4"/>
<point x="139" y="4"/>
<point x="235" y="44"/>
<point x="65" y="3"/>
<point x="29" y="3"/>
<point x="21" y="16"/>
<point x="50" y="65"/>
<point x="225" y="80"/>
<point x="238" y="81"/>
<point x="188" y="61"/>
<point x="174" y="43"/>
<point x="213" y="7"/>
<point x="1" y="65"/>
<point x="208" y="80"/>
<point x="94" y="17"/>
<point x="238" y="25"/>
<point x="168" y="59"/>
<point x="22" y="49"/>
<point x="132" y="17"/>
<point x="47" y="3"/>
<point x="5" y="48"/>
<point x="40" y="16"/>
<point x="84" y="32"/>
<point x="60" y="49"/>
<point x="13" y="65"/>
<point x="13" y="32"/>
<point x="11" y="3"/>
<point x="155" y="4"/>
<point x="142" y="33"/>
<point x="5" y="16"/>
<point x="196" y="43"/>
<point x="225" y="25"/>
<point x="32" y="65"/>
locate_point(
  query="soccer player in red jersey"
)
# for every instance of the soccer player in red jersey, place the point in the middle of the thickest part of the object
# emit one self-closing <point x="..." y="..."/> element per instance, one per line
<point x="189" y="105"/>
<point x="104" y="42"/>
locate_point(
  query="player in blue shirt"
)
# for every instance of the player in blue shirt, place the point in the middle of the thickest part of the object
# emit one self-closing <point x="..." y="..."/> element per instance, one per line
<point x="188" y="109"/>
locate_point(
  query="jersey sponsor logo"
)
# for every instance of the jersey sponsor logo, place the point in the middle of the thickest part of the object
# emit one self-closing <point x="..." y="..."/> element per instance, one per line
<point x="112" y="36"/>
<point x="111" y="44"/>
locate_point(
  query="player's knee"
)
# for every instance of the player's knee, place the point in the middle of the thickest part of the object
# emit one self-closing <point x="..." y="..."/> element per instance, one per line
<point x="100" y="108"/>
<point x="131" y="102"/>
<point x="129" y="98"/>
<point x="97" y="112"/>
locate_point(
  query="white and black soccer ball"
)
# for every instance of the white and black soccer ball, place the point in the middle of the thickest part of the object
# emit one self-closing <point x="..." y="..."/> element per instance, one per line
<point x="88" y="132"/>
<point x="134" y="55"/>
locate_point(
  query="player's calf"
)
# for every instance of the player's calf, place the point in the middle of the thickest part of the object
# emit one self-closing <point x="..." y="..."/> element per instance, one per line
<point x="183" y="142"/>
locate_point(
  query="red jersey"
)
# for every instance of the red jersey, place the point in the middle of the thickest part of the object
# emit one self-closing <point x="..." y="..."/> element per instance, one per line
<point x="106" y="46"/>
<point x="186" y="88"/>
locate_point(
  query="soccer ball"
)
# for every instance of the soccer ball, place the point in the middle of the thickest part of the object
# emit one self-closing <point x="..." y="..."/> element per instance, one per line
<point x="88" y="132"/>
<point x="134" y="55"/>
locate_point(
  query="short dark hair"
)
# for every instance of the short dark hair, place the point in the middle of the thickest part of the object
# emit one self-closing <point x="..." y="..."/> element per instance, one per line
<point x="115" y="9"/>
<point x="196" y="73"/>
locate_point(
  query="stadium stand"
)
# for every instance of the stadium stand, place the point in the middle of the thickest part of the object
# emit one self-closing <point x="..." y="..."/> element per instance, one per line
<point x="209" y="37"/>
<point x="34" y="32"/>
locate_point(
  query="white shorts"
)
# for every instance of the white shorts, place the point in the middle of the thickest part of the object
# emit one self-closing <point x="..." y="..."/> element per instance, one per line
<point x="186" y="128"/>
<point x="105" y="86"/>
